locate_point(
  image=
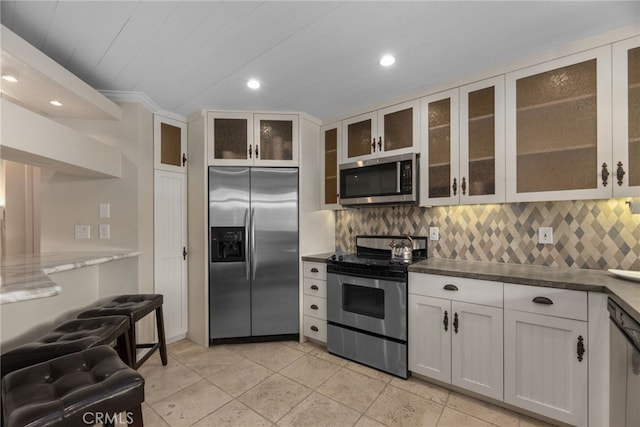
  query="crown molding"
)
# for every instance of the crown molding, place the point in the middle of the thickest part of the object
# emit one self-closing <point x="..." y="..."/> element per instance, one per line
<point x="143" y="99"/>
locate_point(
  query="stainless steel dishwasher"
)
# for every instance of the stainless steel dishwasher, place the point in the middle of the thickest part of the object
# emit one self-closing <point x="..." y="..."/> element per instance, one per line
<point x="624" y="409"/>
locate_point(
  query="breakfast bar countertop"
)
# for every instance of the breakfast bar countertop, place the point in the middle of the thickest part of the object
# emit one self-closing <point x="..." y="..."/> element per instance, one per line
<point x="624" y="292"/>
<point x="26" y="277"/>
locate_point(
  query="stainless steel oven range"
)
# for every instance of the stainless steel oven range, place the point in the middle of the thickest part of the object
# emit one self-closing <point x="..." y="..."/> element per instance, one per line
<point x="367" y="302"/>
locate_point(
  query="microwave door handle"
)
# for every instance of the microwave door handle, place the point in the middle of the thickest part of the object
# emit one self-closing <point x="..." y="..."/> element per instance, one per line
<point x="246" y="246"/>
<point x="398" y="177"/>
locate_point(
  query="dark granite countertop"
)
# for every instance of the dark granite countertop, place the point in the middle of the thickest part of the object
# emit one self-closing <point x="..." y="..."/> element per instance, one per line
<point x="624" y="292"/>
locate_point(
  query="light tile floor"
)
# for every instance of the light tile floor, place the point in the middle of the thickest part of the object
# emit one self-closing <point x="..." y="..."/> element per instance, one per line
<point x="290" y="384"/>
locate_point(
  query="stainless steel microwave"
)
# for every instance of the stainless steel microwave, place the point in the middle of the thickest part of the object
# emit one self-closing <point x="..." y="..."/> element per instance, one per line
<point x="388" y="180"/>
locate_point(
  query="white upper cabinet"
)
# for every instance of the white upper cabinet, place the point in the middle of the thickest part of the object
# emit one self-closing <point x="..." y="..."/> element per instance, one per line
<point x="330" y="137"/>
<point x="439" y="149"/>
<point x="170" y="144"/>
<point x="248" y="139"/>
<point x="482" y="126"/>
<point x="558" y="128"/>
<point x="626" y="118"/>
<point x="389" y="131"/>
<point x="230" y="138"/>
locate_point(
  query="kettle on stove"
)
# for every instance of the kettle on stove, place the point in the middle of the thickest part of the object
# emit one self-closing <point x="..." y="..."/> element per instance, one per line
<point x="403" y="250"/>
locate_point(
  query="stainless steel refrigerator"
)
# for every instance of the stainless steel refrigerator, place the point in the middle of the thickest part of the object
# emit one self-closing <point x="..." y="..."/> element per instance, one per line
<point x="253" y="252"/>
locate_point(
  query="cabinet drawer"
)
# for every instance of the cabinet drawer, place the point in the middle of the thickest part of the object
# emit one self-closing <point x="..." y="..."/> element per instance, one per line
<point x="550" y="301"/>
<point x="315" y="307"/>
<point x="315" y="270"/>
<point x="315" y="287"/>
<point x="315" y="328"/>
<point x="474" y="291"/>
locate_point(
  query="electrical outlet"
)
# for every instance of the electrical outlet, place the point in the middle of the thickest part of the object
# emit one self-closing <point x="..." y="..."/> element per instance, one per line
<point x="545" y="235"/>
<point x="434" y="234"/>
<point x="105" y="231"/>
<point x="82" y="231"/>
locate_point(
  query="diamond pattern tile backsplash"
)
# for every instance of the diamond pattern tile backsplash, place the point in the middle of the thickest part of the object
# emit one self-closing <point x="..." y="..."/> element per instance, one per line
<point x="597" y="234"/>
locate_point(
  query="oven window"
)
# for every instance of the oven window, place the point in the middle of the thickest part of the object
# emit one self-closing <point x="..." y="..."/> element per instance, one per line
<point x="363" y="300"/>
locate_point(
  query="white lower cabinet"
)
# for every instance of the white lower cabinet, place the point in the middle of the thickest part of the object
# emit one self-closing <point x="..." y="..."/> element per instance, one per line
<point x="545" y="357"/>
<point x="453" y="340"/>
<point x="315" y="301"/>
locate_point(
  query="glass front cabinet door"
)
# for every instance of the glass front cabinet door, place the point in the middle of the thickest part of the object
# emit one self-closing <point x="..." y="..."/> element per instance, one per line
<point x="275" y="139"/>
<point x="386" y="132"/>
<point x="439" y="149"/>
<point x="230" y="138"/>
<point x="626" y="118"/>
<point x="482" y="142"/>
<point x="170" y="144"/>
<point x="330" y="137"/>
<point x="558" y="129"/>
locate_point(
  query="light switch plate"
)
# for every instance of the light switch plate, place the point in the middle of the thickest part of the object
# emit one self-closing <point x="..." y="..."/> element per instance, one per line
<point x="545" y="235"/>
<point x="105" y="231"/>
<point x="82" y="231"/>
<point x="105" y="210"/>
<point x="434" y="233"/>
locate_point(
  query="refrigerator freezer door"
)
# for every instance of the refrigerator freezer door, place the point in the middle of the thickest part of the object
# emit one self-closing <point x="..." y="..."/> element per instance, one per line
<point x="229" y="282"/>
<point x="274" y="297"/>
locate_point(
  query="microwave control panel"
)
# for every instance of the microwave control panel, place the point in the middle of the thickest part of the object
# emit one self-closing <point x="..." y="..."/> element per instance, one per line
<point x="406" y="178"/>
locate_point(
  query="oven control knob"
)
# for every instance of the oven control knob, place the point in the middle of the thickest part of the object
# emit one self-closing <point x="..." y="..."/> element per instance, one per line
<point x="333" y="257"/>
<point x="340" y="258"/>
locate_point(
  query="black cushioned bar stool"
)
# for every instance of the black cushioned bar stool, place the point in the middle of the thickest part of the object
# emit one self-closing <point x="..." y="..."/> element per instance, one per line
<point x="70" y="337"/>
<point x="83" y="388"/>
<point x="136" y="307"/>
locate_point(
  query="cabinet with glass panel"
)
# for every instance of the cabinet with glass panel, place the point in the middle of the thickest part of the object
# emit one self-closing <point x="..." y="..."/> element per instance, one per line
<point x="626" y="118"/>
<point x="558" y="129"/>
<point x="330" y="137"/>
<point x="462" y="155"/>
<point x="248" y="139"/>
<point x="389" y="131"/>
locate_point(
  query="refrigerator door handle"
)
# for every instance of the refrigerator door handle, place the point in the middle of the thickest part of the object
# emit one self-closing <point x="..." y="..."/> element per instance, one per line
<point x="253" y="243"/>
<point x="246" y="247"/>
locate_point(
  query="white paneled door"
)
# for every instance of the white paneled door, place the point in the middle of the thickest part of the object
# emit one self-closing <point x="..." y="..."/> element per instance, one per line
<point x="170" y="248"/>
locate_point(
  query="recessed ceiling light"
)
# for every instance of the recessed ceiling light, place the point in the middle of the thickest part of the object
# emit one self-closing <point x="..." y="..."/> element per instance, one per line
<point x="253" y="84"/>
<point x="387" y="60"/>
<point x="10" y="78"/>
<point x="56" y="103"/>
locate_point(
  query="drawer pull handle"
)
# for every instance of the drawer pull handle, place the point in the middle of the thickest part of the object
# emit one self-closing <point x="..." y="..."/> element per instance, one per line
<point x="580" y="348"/>
<point x="455" y="322"/>
<point x="314" y="307"/>
<point x="314" y="328"/>
<point x="445" y="321"/>
<point x="542" y="300"/>
<point x="314" y="287"/>
<point x="314" y="270"/>
<point x="450" y="288"/>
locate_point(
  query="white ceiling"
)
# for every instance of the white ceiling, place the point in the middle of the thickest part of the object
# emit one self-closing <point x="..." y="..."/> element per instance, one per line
<point x="319" y="57"/>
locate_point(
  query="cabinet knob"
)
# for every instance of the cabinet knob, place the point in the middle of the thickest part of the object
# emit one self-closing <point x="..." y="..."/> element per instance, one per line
<point x="605" y="174"/>
<point x="455" y="186"/>
<point x="314" y="307"/>
<point x="314" y="328"/>
<point x="250" y="151"/>
<point x="314" y="270"/>
<point x="463" y="186"/>
<point x="620" y="173"/>
<point x="445" y="321"/>
<point x="450" y="287"/>
<point x="314" y="287"/>
<point x="256" y="151"/>
<point x="373" y="145"/>
<point x="380" y="144"/>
